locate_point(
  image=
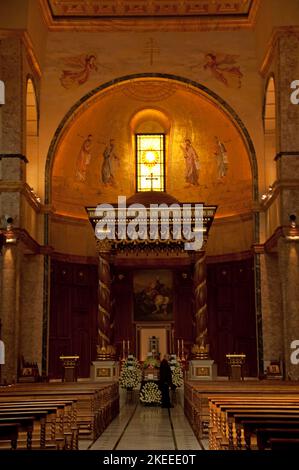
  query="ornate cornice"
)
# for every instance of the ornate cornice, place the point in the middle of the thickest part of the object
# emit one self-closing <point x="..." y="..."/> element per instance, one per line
<point x="285" y="232"/>
<point x="276" y="189"/>
<point x="277" y="33"/>
<point x="32" y="246"/>
<point x="25" y="190"/>
<point x="67" y="258"/>
<point x="227" y="257"/>
<point x="136" y="15"/>
<point x="14" y="155"/>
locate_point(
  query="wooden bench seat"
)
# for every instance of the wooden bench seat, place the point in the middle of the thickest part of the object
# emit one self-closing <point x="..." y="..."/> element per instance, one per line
<point x="9" y="432"/>
<point x="236" y="411"/>
<point x="89" y="407"/>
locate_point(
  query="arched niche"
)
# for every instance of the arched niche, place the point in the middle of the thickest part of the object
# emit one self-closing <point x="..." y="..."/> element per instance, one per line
<point x="270" y="133"/>
<point x="31" y="135"/>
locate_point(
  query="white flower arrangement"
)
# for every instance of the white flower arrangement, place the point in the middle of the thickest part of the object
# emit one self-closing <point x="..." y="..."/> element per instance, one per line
<point x="130" y="375"/>
<point x="177" y="375"/>
<point x="150" y="393"/>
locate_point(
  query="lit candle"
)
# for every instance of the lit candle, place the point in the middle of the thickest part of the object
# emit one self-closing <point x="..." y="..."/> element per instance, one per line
<point x="178" y="348"/>
<point x="128" y="344"/>
<point x="123" y="348"/>
<point x="182" y="348"/>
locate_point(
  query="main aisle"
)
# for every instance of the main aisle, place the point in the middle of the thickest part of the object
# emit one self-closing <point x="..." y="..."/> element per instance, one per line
<point x="139" y="427"/>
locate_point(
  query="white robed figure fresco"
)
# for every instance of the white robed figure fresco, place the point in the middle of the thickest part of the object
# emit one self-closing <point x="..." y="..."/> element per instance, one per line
<point x="191" y="162"/>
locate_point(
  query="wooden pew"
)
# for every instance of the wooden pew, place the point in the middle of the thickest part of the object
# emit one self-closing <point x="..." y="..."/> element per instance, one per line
<point x="196" y="397"/>
<point x="280" y="431"/>
<point x="97" y="404"/>
<point x="219" y="404"/>
<point x="284" y="444"/>
<point x="9" y="432"/>
<point x="62" y="428"/>
<point x="228" y="415"/>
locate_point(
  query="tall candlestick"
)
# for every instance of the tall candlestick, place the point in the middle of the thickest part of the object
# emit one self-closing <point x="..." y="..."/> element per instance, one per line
<point x="128" y="344"/>
<point x="178" y="348"/>
<point x="182" y="349"/>
<point x="123" y="348"/>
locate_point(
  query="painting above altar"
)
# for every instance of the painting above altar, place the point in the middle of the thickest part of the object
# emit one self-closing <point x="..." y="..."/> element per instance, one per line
<point x="153" y="294"/>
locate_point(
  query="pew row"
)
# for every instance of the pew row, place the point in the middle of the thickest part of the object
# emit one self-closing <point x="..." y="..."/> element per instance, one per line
<point x="224" y="420"/>
<point x="62" y="413"/>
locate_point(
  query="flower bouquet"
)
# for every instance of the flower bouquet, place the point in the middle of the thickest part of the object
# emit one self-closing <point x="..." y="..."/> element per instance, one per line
<point x="151" y="363"/>
<point x="150" y="393"/>
<point x="130" y="375"/>
<point x="177" y="376"/>
<point x="176" y="371"/>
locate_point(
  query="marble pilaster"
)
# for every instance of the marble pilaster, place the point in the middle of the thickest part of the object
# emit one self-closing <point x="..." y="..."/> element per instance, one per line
<point x="31" y="321"/>
<point x="288" y="252"/>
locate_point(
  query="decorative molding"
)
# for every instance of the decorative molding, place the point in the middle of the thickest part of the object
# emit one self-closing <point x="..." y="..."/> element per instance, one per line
<point x="140" y="8"/>
<point x="154" y="262"/>
<point x="67" y="258"/>
<point x="142" y="15"/>
<point x="68" y="219"/>
<point x="32" y="59"/>
<point x="32" y="245"/>
<point x="258" y="248"/>
<point x="292" y="153"/>
<point x="230" y="219"/>
<point x="31" y="197"/>
<point x="227" y="257"/>
<point x="278" y="186"/>
<point x="25" y="190"/>
<point x="277" y="33"/>
<point x="14" y="155"/>
<point x="271" y="243"/>
<point x="27" y="43"/>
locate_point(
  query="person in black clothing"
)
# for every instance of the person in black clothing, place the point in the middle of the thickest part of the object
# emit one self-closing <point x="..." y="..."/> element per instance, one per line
<point x="165" y="381"/>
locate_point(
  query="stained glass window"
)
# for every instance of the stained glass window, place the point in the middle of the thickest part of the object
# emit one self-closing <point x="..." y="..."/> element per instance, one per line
<point x="150" y="150"/>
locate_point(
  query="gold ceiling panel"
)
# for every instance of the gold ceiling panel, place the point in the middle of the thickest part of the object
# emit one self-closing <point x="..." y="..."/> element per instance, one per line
<point x="96" y="9"/>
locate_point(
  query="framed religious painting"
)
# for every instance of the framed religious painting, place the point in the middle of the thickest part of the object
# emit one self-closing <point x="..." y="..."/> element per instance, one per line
<point x="153" y="295"/>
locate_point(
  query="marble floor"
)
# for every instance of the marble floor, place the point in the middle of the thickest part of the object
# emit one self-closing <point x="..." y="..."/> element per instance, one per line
<point x="138" y="427"/>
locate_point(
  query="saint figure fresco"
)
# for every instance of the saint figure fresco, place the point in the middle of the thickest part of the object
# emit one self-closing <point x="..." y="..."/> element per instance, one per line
<point x="108" y="165"/>
<point x="84" y="158"/>
<point x="222" y="159"/>
<point x="191" y="162"/>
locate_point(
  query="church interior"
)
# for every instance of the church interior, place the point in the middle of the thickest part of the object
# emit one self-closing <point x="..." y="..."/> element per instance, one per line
<point x="121" y="122"/>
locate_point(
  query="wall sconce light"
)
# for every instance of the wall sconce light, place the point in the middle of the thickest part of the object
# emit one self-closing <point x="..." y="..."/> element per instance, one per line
<point x="9" y="234"/>
<point x="293" y="220"/>
<point x="293" y="234"/>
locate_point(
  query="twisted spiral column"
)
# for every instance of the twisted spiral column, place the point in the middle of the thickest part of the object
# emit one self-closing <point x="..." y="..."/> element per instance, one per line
<point x="104" y="301"/>
<point x="200" y="300"/>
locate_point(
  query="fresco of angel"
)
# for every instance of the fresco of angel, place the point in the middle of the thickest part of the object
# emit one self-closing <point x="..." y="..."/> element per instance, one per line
<point x="223" y="68"/>
<point x="79" y="69"/>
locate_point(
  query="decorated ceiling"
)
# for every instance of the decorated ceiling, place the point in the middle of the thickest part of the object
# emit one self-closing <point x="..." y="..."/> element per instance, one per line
<point x="149" y="14"/>
<point x="132" y="8"/>
<point x="205" y="157"/>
